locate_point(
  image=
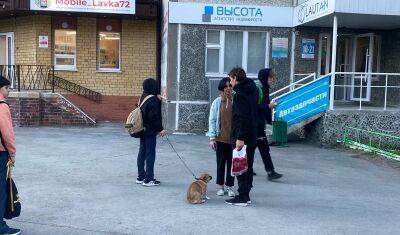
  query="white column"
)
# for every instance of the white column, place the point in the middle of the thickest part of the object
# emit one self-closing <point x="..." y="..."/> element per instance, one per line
<point x="333" y="67"/>
<point x="292" y="59"/>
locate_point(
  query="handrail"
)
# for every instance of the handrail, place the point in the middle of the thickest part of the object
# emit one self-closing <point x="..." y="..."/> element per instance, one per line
<point x="293" y="84"/>
<point x="77" y="89"/>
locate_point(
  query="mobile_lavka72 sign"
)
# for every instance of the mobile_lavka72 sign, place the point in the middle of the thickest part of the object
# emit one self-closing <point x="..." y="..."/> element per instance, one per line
<point x="304" y="102"/>
<point x="94" y="6"/>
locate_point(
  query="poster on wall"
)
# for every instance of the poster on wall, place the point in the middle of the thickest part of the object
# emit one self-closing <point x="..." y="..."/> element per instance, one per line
<point x="95" y="6"/>
<point x="280" y="47"/>
<point x="43" y="41"/>
<point x="308" y="48"/>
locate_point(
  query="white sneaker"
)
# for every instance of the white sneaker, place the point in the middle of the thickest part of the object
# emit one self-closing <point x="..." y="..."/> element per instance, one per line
<point x="138" y="181"/>
<point x="151" y="183"/>
<point x="230" y="192"/>
<point x="221" y="192"/>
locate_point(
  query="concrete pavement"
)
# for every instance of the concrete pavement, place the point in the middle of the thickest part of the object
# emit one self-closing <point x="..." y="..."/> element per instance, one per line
<point x="82" y="181"/>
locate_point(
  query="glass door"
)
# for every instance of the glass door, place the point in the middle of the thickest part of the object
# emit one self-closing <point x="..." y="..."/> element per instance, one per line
<point x="363" y="57"/>
<point x="343" y="64"/>
<point x="324" y="58"/>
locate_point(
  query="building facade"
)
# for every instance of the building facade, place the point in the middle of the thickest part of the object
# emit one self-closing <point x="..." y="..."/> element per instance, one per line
<point x="203" y="40"/>
<point x="109" y="50"/>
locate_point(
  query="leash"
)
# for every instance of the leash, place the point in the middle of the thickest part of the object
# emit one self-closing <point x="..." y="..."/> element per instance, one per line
<point x="179" y="156"/>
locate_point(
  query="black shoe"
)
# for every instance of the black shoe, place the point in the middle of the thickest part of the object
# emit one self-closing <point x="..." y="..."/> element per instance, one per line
<point x="151" y="183"/>
<point x="9" y="231"/>
<point x="237" y="201"/>
<point x="254" y="174"/>
<point x="274" y="176"/>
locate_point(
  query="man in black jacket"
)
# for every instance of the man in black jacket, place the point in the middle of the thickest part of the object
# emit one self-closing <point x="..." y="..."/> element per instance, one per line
<point x="266" y="77"/>
<point x="152" y="122"/>
<point x="244" y="129"/>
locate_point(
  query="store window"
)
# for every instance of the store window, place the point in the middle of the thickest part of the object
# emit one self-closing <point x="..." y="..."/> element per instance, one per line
<point x="228" y="49"/>
<point x="64" y="43"/>
<point x="109" y="39"/>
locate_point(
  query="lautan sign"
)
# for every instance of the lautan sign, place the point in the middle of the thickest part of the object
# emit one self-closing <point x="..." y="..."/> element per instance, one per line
<point x="218" y="14"/>
<point x="95" y="6"/>
<point x="311" y="10"/>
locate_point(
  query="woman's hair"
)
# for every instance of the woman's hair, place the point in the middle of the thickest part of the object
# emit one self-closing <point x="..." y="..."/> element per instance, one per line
<point x="222" y="83"/>
<point x="4" y="82"/>
<point x="238" y="73"/>
<point x="150" y="87"/>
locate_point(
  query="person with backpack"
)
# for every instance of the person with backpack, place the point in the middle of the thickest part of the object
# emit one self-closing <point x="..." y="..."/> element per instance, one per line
<point x="244" y="129"/>
<point x="265" y="77"/>
<point x="150" y="106"/>
<point x="7" y="151"/>
<point x="219" y="131"/>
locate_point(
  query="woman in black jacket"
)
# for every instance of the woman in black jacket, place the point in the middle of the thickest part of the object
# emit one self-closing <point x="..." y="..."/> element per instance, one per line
<point x="152" y="122"/>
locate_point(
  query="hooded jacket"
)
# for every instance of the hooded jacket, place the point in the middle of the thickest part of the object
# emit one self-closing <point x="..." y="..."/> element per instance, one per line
<point x="264" y="112"/>
<point x="244" y="112"/>
<point x="151" y="109"/>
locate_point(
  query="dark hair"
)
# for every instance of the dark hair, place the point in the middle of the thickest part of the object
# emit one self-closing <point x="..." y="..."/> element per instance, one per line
<point x="4" y="82"/>
<point x="222" y="83"/>
<point x="150" y="87"/>
<point x="238" y="73"/>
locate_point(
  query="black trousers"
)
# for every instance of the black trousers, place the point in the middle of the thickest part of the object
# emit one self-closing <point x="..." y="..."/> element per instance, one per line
<point x="3" y="186"/>
<point x="263" y="147"/>
<point x="245" y="181"/>
<point x="224" y="159"/>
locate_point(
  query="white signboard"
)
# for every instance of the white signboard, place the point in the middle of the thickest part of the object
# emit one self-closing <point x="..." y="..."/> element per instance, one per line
<point x="219" y="14"/>
<point x="311" y="10"/>
<point x="43" y="41"/>
<point x="96" y="6"/>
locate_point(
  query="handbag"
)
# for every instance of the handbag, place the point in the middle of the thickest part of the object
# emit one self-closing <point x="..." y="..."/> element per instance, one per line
<point x="239" y="161"/>
<point x="13" y="205"/>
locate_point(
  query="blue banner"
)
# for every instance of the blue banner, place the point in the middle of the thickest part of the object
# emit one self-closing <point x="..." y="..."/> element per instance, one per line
<point x="305" y="102"/>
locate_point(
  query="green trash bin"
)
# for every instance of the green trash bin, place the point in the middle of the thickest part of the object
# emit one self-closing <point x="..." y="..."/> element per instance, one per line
<point x="279" y="133"/>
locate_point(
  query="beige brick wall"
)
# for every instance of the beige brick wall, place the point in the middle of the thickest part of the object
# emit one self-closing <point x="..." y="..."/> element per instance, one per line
<point x="24" y="33"/>
<point x="138" y="52"/>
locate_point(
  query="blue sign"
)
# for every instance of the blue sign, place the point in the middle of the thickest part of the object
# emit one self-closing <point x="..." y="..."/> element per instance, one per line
<point x="308" y="49"/>
<point x="305" y="102"/>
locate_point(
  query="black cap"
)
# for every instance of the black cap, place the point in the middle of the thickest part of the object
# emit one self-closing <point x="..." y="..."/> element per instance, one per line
<point x="4" y="82"/>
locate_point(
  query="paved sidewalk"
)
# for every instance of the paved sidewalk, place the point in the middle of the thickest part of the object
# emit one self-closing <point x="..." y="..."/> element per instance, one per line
<point x="82" y="181"/>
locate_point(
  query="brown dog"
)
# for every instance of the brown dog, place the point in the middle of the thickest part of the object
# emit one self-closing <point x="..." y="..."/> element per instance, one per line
<point x="197" y="192"/>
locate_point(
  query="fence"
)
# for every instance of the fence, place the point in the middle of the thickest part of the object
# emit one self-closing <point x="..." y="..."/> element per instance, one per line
<point x="29" y="77"/>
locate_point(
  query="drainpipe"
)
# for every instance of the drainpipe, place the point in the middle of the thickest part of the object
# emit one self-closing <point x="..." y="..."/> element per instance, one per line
<point x="333" y="67"/>
<point x="292" y="58"/>
<point x="159" y="40"/>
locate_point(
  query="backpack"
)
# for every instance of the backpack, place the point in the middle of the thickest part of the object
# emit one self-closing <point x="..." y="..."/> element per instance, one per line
<point x="134" y="122"/>
<point x="13" y="205"/>
<point x="260" y="92"/>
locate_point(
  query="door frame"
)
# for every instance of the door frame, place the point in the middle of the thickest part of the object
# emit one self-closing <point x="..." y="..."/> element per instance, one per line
<point x="328" y="53"/>
<point x="369" y="65"/>
<point x="10" y="43"/>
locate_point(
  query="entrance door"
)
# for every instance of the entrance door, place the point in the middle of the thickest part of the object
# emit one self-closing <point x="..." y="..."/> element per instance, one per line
<point x="7" y="55"/>
<point x="343" y="64"/>
<point x="362" y="62"/>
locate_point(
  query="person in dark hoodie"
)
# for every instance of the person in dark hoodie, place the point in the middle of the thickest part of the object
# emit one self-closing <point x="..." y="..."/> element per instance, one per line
<point x="152" y="122"/>
<point x="266" y="77"/>
<point x="244" y="129"/>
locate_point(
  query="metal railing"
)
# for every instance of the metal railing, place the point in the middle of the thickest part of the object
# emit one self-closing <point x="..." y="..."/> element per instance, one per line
<point x="303" y="81"/>
<point x="29" y="77"/>
<point x="384" y="144"/>
<point x="365" y="91"/>
<point x="42" y="78"/>
<point x="77" y="89"/>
